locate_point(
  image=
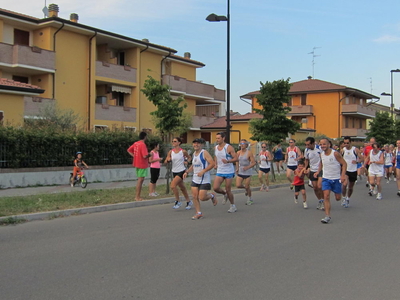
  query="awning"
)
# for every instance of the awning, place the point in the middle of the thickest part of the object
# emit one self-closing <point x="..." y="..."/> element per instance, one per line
<point x="121" y="89"/>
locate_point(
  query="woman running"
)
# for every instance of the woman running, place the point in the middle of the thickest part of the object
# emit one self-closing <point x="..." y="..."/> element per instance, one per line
<point x="155" y="167"/>
<point x="244" y="167"/>
<point x="264" y="161"/>
<point x="279" y="157"/>
<point x="177" y="157"/>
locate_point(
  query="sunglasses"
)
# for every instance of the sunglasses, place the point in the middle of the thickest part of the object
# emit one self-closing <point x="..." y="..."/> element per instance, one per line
<point x="174" y="141"/>
<point x="263" y="147"/>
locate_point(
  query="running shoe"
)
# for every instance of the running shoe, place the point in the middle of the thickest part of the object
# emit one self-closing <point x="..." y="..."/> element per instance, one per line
<point x="375" y="190"/>
<point x="214" y="199"/>
<point x="370" y="192"/>
<point x="157" y="194"/>
<point x="249" y="202"/>
<point x="344" y="201"/>
<point x="379" y="196"/>
<point x="189" y="205"/>
<point x="319" y="204"/>
<point x="197" y="216"/>
<point x="267" y="188"/>
<point x="367" y="184"/>
<point x="305" y="205"/>
<point x="347" y="202"/>
<point x="398" y="193"/>
<point x="310" y="184"/>
<point x="295" y="200"/>
<point x="152" y="195"/>
<point x="326" y="220"/>
<point x="387" y="181"/>
<point x="232" y="209"/>
<point x="262" y="187"/>
<point x="177" y="205"/>
<point x="322" y="206"/>
<point x="225" y="199"/>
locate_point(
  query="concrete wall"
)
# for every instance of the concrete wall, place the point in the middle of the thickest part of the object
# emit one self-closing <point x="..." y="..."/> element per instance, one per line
<point x="60" y="176"/>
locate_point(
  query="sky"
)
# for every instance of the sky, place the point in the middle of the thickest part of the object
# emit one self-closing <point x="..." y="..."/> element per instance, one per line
<point x="355" y="42"/>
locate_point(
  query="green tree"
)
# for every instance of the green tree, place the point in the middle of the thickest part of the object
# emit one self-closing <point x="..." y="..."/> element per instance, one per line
<point x="169" y="118"/>
<point x="382" y="128"/>
<point x="396" y="131"/>
<point x="274" y="125"/>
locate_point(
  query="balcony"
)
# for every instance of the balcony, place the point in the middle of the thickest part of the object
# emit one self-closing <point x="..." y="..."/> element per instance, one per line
<point x="30" y="60"/>
<point x="107" y="70"/>
<point x="34" y="105"/>
<point x="115" y="113"/>
<point x="301" y="110"/>
<point x="198" y="121"/>
<point x="359" y="111"/>
<point x="194" y="89"/>
<point x="354" y="132"/>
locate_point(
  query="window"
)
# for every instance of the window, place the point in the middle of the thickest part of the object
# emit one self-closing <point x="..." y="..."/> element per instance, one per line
<point x="98" y="128"/>
<point x="346" y="122"/>
<point x="303" y="99"/>
<point x="21" y="37"/>
<point x="21" y="79"/>
<point x="121" y="58"/>
<point x="120" y="98"/>
<point x="290" y="102"/>
<point x="130" y="128"/>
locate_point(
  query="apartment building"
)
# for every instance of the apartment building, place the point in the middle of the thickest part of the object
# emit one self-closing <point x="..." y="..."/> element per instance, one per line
<point x="96" y="73"/>
<point x="327" y="108"/>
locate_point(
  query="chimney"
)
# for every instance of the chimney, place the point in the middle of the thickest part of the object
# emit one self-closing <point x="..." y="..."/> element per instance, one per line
<point x="309" y="77"/>
<point x="187" y="55"/>
<point x="53" y="10"/>
<point x="145" y="40"/>
<point x="74" y="17"/>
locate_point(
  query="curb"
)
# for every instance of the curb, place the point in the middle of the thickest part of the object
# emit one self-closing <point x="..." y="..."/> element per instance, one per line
<point x="103" y="208"/>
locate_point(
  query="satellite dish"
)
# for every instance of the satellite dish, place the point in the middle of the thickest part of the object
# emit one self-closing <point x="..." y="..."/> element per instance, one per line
<point x="45" y="10"/>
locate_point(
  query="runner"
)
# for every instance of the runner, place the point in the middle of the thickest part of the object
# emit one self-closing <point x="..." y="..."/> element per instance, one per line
<point x="351" y="155"/>
<point x="312" y="156"/>
<point x="376" y="171"/>
<point x="155" y="167"/>
<point x="388" y="156"/>
<point x="279" y="157"/>
<point x="244" y="170"/>
<point x="293" y="154"/>
<point x="201" y="182"/>
<point x="224" y="158"/>
<point x="177" y="157"/>
<point x="264" y="161"/>
<point x="367" y="149"/>
<point x="360" y="168"/>
<point x="333" y="168"/>
<point x="397" y="161"/>
<point x="298" y="183"/>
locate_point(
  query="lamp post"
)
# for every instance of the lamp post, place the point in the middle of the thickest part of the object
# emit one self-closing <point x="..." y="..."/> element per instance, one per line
<point x="391" y="91"/>
<point x="391" y="104"/>
<point x="216" y="18"/>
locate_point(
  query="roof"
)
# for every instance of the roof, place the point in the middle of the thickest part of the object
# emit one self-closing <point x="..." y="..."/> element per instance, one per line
<point x="11" y="85"/>
<point x="318" y="86"/>
<point x="18" y="14"/>
<point x="185" y="59"/>
<point x="221" y="122"/>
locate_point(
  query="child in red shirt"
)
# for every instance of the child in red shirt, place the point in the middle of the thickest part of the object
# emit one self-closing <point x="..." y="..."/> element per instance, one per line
<point x="298" y="182"/>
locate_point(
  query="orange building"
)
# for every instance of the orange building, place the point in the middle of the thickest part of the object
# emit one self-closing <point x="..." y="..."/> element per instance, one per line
<point x="327" y="108"/>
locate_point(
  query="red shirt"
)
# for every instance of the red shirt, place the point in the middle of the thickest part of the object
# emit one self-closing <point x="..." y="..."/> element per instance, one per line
<point x="139" y="150"/>
<point x="298" y="180"/>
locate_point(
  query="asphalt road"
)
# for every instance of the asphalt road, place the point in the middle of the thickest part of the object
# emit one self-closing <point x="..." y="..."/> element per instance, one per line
<point x="273" y="249"/>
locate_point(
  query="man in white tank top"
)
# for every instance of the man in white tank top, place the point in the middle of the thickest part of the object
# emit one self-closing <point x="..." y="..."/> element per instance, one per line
<point x="312" y="156"/>
<point x="225" y="157"/>
<point x="202" y="164"/>
<point x="351" y="155"/>
<point x="333" y="168"/>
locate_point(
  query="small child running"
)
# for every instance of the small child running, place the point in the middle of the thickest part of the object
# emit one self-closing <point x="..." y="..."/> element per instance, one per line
<point x="298" y="182"/>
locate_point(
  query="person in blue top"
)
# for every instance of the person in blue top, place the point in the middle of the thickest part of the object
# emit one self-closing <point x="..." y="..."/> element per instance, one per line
<point x="279" y="157"/>
<point x="397" y="164"/>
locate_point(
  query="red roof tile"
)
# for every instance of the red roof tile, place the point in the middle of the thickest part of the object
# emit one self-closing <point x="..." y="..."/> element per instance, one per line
<point x="9" y="82"/>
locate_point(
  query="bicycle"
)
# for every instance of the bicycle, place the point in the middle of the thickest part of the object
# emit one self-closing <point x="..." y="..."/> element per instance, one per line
<point x="80" y="178"/>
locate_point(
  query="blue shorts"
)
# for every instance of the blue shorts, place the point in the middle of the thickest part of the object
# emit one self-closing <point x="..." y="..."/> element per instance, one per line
<point x="226" y="176"/>
<point x="388" y="166"/>
<point x="359" y="165"/>
<point x="332" y="185"/>
<point x="265" y="170"/>
<point x="293" y="168"/>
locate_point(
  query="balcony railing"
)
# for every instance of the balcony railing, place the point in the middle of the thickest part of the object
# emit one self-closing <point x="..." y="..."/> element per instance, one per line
<point x="34" y="105"/>
<point x="25" y="57"/>
<point x="193" y="88"/>
<point x="354" y="132"/>
<point x="112" y="71"/>
<point x="115" y="113"/>
<point x="301" y="110"/>
<point x="358" y="111"/>
<point x="198" y="121"/>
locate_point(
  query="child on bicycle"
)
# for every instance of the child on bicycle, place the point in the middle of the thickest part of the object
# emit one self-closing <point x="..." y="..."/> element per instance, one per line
<point x="78" y="165"/>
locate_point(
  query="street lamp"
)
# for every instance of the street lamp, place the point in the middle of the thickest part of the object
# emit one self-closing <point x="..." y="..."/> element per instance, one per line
<point x="216" y="18"/>
<point x="391" y="105"/>
<point x="391" y="90"/>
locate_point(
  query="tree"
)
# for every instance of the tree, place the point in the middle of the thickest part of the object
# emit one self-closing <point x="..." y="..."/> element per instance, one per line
<point x="274" y="125"/>
<point x="169" y="117"/>
<point x="382" y="128"/>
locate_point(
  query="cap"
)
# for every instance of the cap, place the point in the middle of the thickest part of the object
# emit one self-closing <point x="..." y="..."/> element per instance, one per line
<point x="201" y="141"/>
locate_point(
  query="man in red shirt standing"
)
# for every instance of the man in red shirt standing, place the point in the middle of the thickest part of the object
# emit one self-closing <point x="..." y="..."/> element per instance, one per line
<point x="140" y="161"/>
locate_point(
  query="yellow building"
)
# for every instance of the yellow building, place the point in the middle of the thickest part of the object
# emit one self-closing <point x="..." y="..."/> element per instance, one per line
<point x="327" y="108"/>
<point x="96" y="73"/>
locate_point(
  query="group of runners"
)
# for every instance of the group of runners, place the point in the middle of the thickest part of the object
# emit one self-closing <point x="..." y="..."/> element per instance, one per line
<point x="328" y="168"/>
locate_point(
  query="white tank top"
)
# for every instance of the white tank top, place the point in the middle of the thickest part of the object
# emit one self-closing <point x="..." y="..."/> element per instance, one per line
<point x="349" y="156"/>
<point x="199" y="163"/>
<point x="292" y="155"/>
<point x="330" y="166"/>
<point x="388" y="158"/>
<point x="223" y="154"/>
<point x="265" y="164"/>
<point x="313" y="157"/>
<point x="178" y="161"/>
<point x="244" y="162"/>
<point x="375" y="169"/>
